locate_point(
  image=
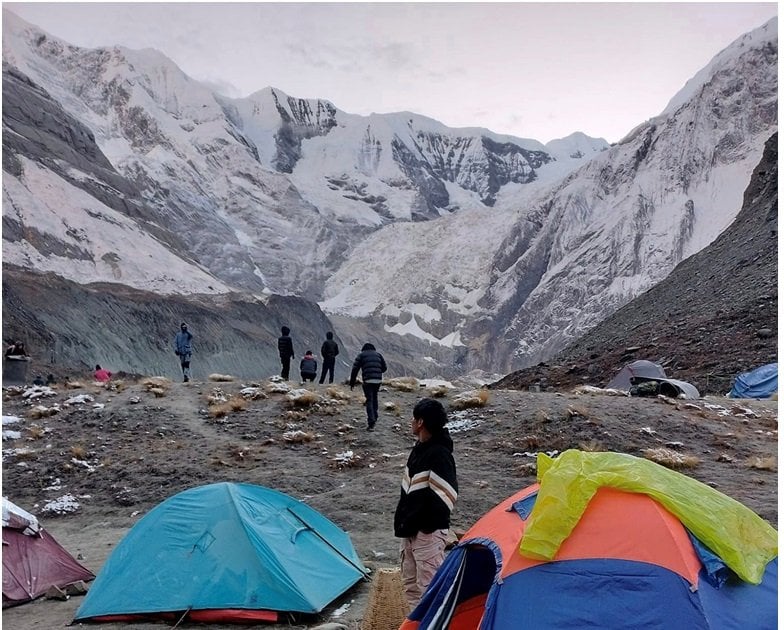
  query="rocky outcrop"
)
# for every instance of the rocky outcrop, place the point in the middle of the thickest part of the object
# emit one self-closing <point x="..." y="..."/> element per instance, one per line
<point x="69" y="327"/>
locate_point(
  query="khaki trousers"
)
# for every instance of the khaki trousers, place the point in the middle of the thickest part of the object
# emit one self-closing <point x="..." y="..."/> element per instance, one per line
<point x="420" y="557"/>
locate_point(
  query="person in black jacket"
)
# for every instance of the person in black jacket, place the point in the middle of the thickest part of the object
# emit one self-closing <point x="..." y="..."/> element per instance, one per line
<point x="373" y="366"/>
<point x="427" y="495"/>
<point x="308" y="367"/>
<point x="286" y="352"/>
<point x="329" y="350"/>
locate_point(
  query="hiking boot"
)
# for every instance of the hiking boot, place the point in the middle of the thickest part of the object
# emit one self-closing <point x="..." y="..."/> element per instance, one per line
<point x="371" y="426"/>
<point x="185" y="379"/>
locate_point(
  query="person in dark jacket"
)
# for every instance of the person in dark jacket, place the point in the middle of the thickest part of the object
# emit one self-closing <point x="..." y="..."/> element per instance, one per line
<point x="427" y="495"/>
<point x="373" y="366"/>
<point x="308" y="367"/>
<point x="184" y="350"/>
<point x="286" y="352"/>
<point x="329" y="350"/>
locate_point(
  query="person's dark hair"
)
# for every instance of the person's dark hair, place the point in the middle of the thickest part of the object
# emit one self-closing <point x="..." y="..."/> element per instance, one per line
<point x="432" y="413"/>
<point x="97" y="367"/>
<point x="329" y="335"/>
<point x="285" y="330"/>
<point x="368" y="346"/>
<point x="183" y="325"/>
<point x="308" y="351"/>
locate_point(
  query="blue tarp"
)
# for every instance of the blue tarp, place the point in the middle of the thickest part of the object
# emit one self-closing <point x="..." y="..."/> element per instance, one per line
<point x="760" y="383"/>
<point x="226" y="546"/>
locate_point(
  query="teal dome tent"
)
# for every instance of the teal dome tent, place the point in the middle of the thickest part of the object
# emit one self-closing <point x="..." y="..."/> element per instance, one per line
<point x="221" y="553"/>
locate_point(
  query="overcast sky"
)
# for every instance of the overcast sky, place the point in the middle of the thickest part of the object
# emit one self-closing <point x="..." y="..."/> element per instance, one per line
<point x="534" y="70"/>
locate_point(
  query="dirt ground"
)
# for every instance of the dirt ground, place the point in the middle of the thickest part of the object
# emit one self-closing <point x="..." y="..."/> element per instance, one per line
<point x="130" y="447"/>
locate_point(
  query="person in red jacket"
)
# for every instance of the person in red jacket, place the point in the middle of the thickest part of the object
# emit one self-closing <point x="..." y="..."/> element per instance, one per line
<point x="101" y="375"/>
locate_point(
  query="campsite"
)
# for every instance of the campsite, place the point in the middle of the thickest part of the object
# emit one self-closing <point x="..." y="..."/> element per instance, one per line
<point x="91" y="461"/>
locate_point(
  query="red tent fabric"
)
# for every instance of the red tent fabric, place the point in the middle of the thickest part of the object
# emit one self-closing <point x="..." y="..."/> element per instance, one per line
<point x="33" y="561"/>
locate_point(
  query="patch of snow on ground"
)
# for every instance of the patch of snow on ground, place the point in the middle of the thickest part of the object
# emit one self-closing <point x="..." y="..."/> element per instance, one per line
<point x="11" y="435"/>
<point x="460" y="421"/>
<point x="11" y="420"/>
<point x="62" y="505"/>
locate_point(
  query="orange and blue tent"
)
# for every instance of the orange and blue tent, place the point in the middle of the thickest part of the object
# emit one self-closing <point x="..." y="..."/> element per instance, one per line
<point x="606" y="552"/>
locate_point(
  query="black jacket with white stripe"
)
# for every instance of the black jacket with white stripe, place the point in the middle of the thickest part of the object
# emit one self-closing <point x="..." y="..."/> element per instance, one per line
<point x="429" y="488"/>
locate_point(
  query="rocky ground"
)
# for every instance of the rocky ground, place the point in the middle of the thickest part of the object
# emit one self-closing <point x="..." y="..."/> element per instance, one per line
<point x="94" y="467"/>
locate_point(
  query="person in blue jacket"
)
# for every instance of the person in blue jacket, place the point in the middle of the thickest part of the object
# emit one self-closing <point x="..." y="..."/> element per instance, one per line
<point x="184" y="350"/>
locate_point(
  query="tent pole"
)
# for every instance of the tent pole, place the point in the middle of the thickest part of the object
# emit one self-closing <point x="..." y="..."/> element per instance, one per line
<point x="362" y="570"/>
<point x="185" y="614"/>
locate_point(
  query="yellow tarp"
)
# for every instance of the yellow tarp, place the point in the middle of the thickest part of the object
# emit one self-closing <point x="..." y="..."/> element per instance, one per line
<point x="743" y="540"/>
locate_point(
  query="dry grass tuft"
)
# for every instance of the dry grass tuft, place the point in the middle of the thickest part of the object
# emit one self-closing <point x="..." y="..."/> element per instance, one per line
<point x="220" y="410"/>
<point x="762" y="463"/>
<point x="542" y="417"/>
<point x="592" y="446"/>
<point x="527" y="469"/>
<point x="298" y="436"/>
<point x="39" y="411"/>
<point x="238" y="403"/>
<point x="306" y="398"/>
<point x="78" y="451"/>
<point x="74" y="385"/>
<point x="529" y="441"/>
<point x="158" y="392"/>
<point x="156" y="381"/>
<point x="439" y="391"/>
<point x="221" y="378"/>
<point x="577" y="411"/>
<point x="337" y="393"/>
<point x="474" y="398"/>
<point x="671" y="459"/>
<point x="36" y="432"/>
<point x="392" y="407"/>
<point x="403" y="383"/>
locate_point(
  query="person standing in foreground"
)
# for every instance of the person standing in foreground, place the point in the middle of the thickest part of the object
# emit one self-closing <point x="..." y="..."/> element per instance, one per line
<point x="183" y="349"/>
<point x="427" y="495"/>
<point x="286" y="352"/>
<point x="373" y="366"/>
<point x="329" y="350"/>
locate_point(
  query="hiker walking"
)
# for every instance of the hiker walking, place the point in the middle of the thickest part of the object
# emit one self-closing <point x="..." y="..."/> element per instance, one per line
<point x="329" y="350"/>
<point x="286" y="351"/>
<point x="308" y="367"/>
<point x="183" y="349"/>
<point x="373" y="366"/>
<point x="427" y="495"/>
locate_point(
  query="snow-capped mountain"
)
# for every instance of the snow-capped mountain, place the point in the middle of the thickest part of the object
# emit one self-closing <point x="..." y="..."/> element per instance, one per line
<point x="519" y="284"/>
<point x="468" y="247"/>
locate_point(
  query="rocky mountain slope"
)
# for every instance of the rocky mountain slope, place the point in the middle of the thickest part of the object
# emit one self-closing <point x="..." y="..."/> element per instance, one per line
<point x="714" y="316"/>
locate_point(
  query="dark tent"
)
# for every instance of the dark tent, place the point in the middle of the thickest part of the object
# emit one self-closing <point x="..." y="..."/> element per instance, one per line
<point x="33" y="561"/>
<point x="636" y="369"/>
<point x="760" y="383"/>
<point x="638" y="372"/>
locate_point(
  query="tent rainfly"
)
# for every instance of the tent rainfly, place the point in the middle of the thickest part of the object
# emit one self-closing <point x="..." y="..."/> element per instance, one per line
<point x="760" y="383"/>
<point x="224" y="553"/>
<point x="607" y="540"/>
<point x="33" y="561"/>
